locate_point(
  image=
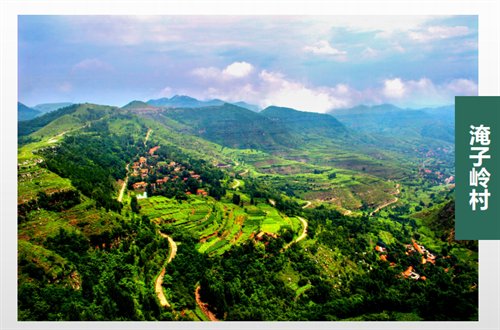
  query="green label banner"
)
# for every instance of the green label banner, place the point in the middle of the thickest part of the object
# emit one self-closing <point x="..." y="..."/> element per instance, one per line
<point x="477" y="144"/>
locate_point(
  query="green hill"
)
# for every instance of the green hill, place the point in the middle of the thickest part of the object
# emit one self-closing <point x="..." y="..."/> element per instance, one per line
<point x="389" y="119"/>
<point x="63" y="120"/>
<point x="235" y="127"/>
<point x="26" y="113"/>
<point x="183" y="101"/>
<point x="305" y="122"/>
<point x="139" y="106"/>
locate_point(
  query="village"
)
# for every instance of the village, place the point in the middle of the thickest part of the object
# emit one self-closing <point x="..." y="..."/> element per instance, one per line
<point x="414" y="247"/>
<point x="151" y="174"/>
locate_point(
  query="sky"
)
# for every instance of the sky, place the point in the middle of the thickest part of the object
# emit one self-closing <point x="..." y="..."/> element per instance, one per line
<point x="310" y="63"/>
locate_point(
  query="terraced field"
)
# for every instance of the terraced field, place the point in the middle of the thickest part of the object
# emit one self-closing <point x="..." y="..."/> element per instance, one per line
<point x="217" y="225"/>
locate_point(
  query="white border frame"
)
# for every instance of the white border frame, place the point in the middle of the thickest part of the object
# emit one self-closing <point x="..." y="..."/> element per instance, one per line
<point x="489" y="84"/>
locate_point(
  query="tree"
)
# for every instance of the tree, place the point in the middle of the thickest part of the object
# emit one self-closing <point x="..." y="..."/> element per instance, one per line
<point x="236" y="199"/>
<point x="134" y="205"/>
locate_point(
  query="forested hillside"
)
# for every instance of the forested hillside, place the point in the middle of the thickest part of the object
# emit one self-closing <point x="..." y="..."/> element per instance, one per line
<point x="153" y="212"/>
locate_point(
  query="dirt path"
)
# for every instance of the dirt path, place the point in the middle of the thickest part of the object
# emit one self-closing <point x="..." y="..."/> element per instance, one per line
<point x="237" y="184"/>
<point x="388" y="203"/>
<point x="304" y="230"/>
<point x="159" y="280"/>
<point x="54" y="139"/>
<point x="147" y="136"/>
<point x="307" y="205"/>
<point x="203" y="306"/>
<point x="122" y="190"/>
<point x="244" y="172"/>
<point x="302" y="235"/>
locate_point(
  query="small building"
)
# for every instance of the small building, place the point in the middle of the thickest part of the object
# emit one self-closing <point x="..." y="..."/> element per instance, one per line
<point x="161" y="181"/>
<point x="152" y="150"/>
<point x="139" y="185"/>
<point x="201" y="192"/>
<point x="142" y="196"/>
<point x="410" y="273"/>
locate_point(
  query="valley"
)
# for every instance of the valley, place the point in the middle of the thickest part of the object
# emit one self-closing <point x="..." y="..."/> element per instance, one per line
<point x="210" y="211"/>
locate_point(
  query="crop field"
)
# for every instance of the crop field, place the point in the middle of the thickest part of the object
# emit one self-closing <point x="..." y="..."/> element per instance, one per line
<point x="83" y="218"/>
<point x="34" y="177"/>
<point x="217" y="225"/>
<point x="342" y="188"/>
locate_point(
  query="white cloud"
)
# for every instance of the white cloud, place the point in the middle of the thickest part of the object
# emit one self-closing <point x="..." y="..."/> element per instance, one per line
<point x="394" y="88"/>
<point x="235" y="70"/>
<point x="462" y="87"/>
<point x="207" y="73"/>
<point x="424" y="92"/>
<point x="438" y="32"/>
<point x="400" y="49"/>
<point x="287" y="93"/>
<point x="238" y="70"/>
<point x="166" y="92"/>
<point x="237" y="82"/>
<point x="323" y="47"/>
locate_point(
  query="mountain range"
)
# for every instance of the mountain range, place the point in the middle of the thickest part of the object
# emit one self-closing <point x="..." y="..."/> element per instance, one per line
<point x="26" y="113"/>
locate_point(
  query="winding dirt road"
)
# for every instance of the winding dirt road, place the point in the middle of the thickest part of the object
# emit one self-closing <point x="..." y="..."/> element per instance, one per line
<point x="388" y="203"/>
<point x="159" y="280"/>
<point x="147" y="136"/>
<point x="302" y="235"/>
<point x="308" y="203"/>
<point x="304" y="230"/>
<point x="203" y="306"/>
<point x="122" y="190"/>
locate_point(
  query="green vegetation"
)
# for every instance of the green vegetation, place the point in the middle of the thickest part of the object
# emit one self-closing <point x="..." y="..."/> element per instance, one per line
<point x="282" y="215"/>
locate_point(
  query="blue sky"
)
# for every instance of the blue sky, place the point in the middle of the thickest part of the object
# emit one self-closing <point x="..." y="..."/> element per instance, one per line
<point x="311" y="63"/>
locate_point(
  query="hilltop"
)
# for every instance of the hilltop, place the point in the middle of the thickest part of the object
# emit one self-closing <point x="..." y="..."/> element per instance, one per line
<point x="26" y="113"/>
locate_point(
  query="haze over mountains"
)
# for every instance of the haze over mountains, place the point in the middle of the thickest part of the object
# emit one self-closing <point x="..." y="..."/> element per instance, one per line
<point x="26" y="113"/>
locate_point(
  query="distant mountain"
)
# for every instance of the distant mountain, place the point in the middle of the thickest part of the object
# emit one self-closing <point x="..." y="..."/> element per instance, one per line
<point x="182" y="101"/>
<point x="364" y="109"/>
<point x="139" y="106"/>
<point x="233" y="126"/>
<point x="305" y="122"/>
<point x="248" y="106"/>
<point x="48" y="107"/>
<point x="388" y="119"/>
<point x="26" y="113"/>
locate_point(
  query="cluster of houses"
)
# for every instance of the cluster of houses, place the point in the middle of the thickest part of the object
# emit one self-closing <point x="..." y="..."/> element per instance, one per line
<point x="144" y="170"/>
<point x="437" y="176"/>
<point x="427" y="256"/>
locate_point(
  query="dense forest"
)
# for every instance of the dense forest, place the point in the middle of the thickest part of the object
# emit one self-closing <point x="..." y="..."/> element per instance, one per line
<point x="256" y="235"/>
